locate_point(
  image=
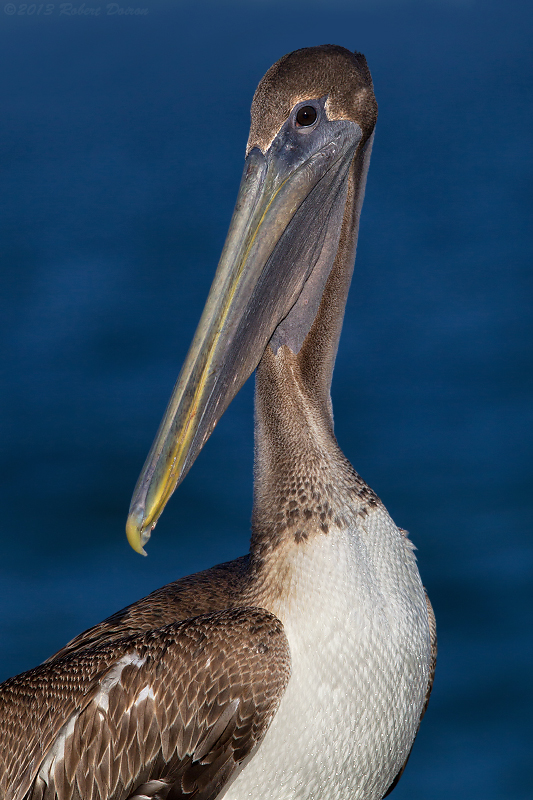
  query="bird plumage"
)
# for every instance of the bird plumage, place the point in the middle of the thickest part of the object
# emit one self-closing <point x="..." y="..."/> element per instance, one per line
<point x="301" y="671"/>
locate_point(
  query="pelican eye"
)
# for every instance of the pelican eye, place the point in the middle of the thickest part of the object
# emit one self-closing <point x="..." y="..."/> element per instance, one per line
<point x="306" y="116"/>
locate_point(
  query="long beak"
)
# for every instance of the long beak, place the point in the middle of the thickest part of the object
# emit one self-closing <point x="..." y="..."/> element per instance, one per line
<point x="286" y="216"/>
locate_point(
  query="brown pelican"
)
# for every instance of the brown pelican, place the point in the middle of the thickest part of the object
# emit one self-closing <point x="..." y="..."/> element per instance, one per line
<point x="303" y="669"/>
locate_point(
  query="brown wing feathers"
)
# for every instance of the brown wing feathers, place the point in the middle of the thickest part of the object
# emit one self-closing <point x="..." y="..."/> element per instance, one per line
<point x="210" y="590"/>
<point x="170" y="713"/>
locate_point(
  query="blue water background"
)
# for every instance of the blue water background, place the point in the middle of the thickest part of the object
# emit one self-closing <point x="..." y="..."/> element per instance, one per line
<point x="122" y="142"/>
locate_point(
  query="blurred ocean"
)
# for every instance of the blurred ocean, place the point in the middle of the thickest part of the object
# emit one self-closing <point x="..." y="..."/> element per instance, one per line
<point x="122" y="141"/>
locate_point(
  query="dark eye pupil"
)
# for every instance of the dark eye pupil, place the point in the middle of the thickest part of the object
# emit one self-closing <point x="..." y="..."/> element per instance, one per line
<point x="306" y="115"/>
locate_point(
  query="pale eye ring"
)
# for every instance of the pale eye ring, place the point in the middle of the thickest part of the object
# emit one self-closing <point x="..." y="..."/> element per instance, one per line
<point x="306" y="116"/>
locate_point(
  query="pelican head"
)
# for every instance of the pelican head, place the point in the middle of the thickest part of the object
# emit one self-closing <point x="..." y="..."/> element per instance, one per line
<point x="312" y="121"/>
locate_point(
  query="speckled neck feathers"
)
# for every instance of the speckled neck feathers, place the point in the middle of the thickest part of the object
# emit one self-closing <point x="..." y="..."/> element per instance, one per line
<point x="302" y="479"/>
